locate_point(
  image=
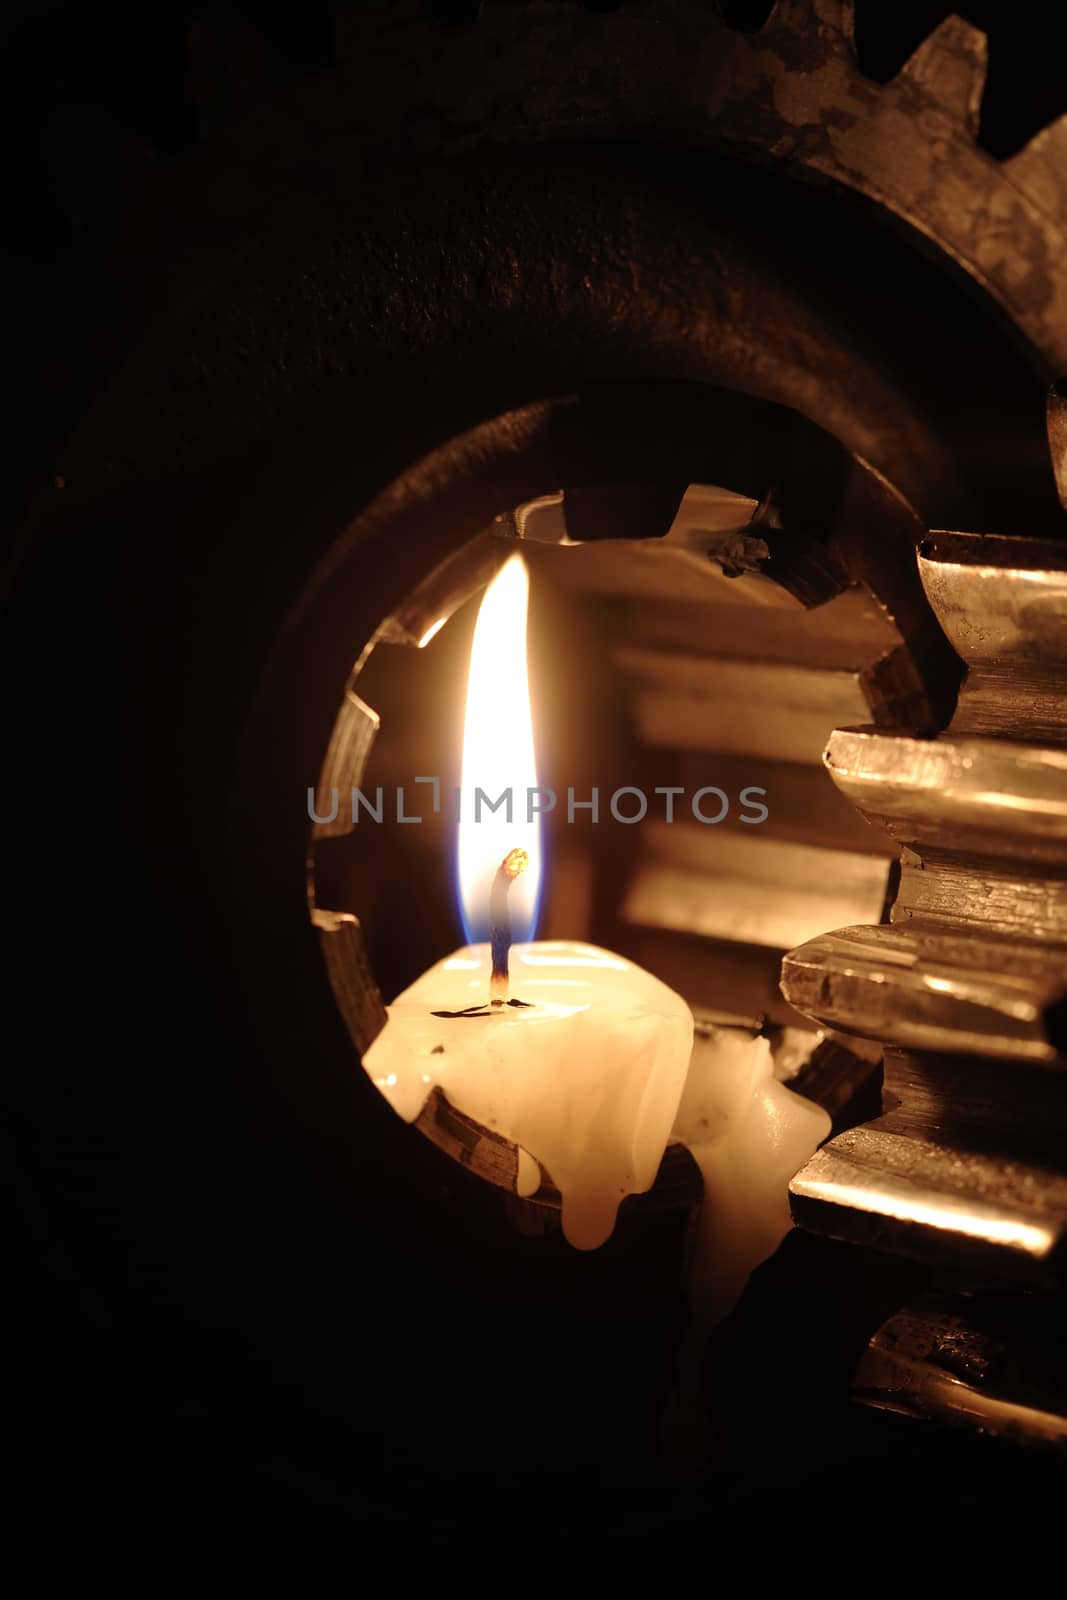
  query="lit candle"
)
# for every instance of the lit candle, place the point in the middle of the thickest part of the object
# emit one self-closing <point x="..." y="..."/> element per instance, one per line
<point x="579" y="1057"/>
<point x="584" y="1076"/>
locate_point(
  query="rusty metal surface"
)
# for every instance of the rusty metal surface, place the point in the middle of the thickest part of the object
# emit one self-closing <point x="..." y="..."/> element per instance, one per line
<point x="321" y="261"/>
<point x="790" y="92"/>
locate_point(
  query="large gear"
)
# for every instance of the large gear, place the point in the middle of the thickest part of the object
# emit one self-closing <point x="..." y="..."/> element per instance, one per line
<point x="791" y="94"/>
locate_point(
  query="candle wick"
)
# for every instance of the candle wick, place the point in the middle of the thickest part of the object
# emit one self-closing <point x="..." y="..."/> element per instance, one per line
<point x="515" y="862"/>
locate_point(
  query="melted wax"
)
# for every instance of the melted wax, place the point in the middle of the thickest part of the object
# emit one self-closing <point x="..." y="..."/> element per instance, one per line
<point x="591" y="1077"/>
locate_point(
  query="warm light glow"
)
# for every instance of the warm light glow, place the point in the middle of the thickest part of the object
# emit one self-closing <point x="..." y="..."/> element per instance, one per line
<point x="498" y="755"/>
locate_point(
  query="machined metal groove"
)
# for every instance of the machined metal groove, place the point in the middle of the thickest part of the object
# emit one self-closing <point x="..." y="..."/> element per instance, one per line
<point x="1003" y="605"/>
<point x="968" y="1167"/>
<point x="926" y="1200"/>
<point x="917" y="988"/>
<point x="748" y="890"/>
<point x="995" y="800"/>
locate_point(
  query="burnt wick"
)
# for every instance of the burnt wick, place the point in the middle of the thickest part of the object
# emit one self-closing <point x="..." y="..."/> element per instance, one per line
<point x="514" y="863"/>
<point x="482" y="1010"/>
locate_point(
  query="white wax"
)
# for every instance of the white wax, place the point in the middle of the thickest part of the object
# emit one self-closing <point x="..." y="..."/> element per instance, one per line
<point x="586" y="1078"/>
<point x="591" y="1079"/>
<point x="749" y="1134"/>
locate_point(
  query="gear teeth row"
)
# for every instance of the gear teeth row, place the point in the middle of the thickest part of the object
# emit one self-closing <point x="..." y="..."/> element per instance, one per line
<point x="966" y="984"/>
<point x="979" y="815"/>
<point x="911" y="145"/>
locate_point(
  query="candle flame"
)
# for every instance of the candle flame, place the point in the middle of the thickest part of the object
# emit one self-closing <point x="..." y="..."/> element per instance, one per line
<point x="498" y="760"/>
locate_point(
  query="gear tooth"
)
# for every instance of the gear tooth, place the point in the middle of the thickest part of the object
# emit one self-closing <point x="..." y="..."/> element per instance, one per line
<point x="951" y="67"/>
<point x="837" y="15"/>
<point x="797" y="16"/>
<point x="846" y="21"/>
<point x="1040" y="169"/>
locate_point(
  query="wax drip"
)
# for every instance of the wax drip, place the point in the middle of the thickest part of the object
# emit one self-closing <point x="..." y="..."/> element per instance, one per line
<point x="748" y="1133"/>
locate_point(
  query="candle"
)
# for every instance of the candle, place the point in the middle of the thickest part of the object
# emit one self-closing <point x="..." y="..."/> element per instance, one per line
<point x="582" y="1059"/>
<point x="585" y="1076"/>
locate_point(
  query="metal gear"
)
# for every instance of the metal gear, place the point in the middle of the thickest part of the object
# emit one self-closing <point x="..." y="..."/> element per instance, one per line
<point x="789" y="98"/>
<point x="791" y="93"/>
